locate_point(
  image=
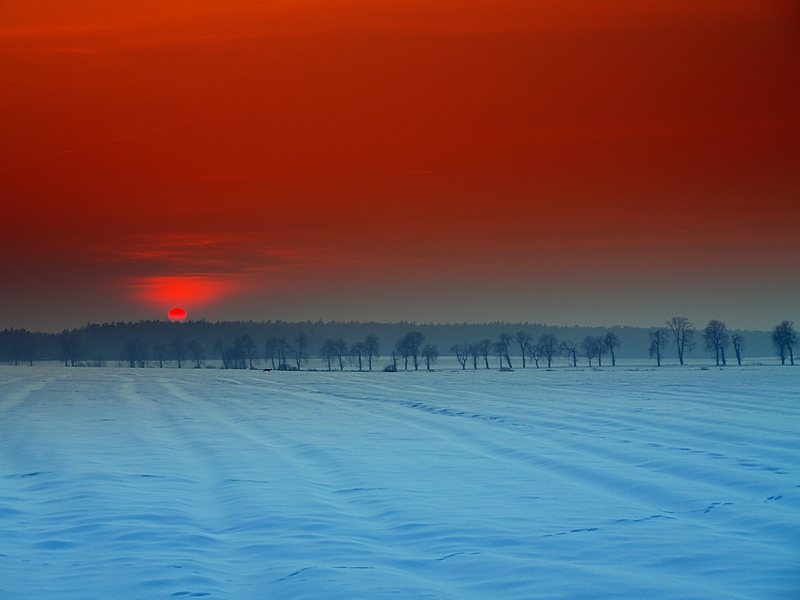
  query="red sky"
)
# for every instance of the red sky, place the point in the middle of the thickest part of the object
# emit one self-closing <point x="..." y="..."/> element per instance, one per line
<point x="567" y="161"/>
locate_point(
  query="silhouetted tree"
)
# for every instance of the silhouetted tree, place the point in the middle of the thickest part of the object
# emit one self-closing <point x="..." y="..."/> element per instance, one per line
<point x="499" y="351"/>
<point x="715" y="339"/>
<point x="484" y="347"/>
<point x="412" y="341"/>
<point x="548" y="347"/>
<point x="534" y="353"/>
<point x="160" y="353"/>
<point x="784" y="338"/>
<point x="403" y="351"/>
<point x="569" y="349"/>
<point x="270" y="349"/>
<point x="600" y="345"/>
<point x="357" y="354"/>
<point x="474" y="354"/>
<point x="197" y="353"/>
<point x="430" y="353"/>
<point x="738" y="345"/>
<point x="462" y="354"/>
<point x="611" y="342"/>
<point x="300" y="345"/>
<point x="178" y="350"/>
<point x="658" y="341"/>
<point x="135" y="353"/>
<point x="505" y="341"/>
<point x="224" y="353"/>
<point x="524" y="340"/>
<point x="682" y="332"/>
<point x="340" y="346"/>
<point x="249" y="350"/>
<point x="328" y="352"/>
<point x="371" y="348"/>
<point x="69" y="344"/>
<point x="589" y="348"/>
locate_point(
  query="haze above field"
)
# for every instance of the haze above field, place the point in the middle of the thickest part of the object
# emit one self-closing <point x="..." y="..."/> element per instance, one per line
<point x="554" y="162"/>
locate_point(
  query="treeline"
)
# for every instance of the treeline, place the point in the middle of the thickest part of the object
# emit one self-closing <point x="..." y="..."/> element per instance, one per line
<point x="291" y="346"/>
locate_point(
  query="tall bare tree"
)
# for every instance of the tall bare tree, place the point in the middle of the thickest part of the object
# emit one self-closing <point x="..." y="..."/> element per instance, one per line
<point x="412" y="342"/>
<point x="612" y="342"/>
<point x="403" y="351"/>
<point x="484" y="347"/>
<point x="535" y="353"/>
<point x="658" y="341"/>
<point x="737" y="340"/>
<point x="178" y="350"/>
<point x="271" y="348"/>
<point x="197" y="353"/>
<point x="300" y="345"/>
<point x="431" y="354"/>
<point x="249" y="350"/>
<point x="357" y="354"/>
<point x="371" y="347"/>
<point x="589" y="348"/>
<point x="548" y="346"/>
<point x="505" y="341"/>
<point x="569" y="349"/>
<point x="160" y="353"/>
<point x="716" y="338"/>
<point x="682" y="332"/>
<point x="340" y="346"/>
<point x="600" y="346"/>
<point x="328" y="352"/>
<point x="784" y="338"/>
<point x="524" y="340"/>
<point x="462" y="354"/>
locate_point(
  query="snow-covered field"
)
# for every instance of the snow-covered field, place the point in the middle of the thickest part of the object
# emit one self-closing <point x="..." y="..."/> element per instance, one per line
<point x="613" y="483"/>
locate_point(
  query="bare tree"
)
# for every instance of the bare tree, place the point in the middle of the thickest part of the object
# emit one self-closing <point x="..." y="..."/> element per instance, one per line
<point x="271" y="348"/>
<point x="483" y="348"/>
<point x="715" y="339"/>
<point x="135" y="353"/>
<point x="284" y="349"/>
<point x="249" y="350"/>
<point x="589" y="348"/>
<point x="412" y="341"/>
<point x="548" y="346"/>
<point x="357" y="354"/>
<point x="474" y="355"/>
<point x="178" y="350"/>
<point x="505" y="341"/>
<point x="340" y="347"/>
<point x="371" y="348"/>
<point x="600" y="346"/>
<point x="534" y="353"/>
<point x="328" y="352"/>
<point x="611" y="342"/>
<point x="499" y="351"/>
<point x="403" y="351"/>
<point x="160" y="353"/>
<point x="430" y="353"/>
<point x="524" y="341"/>
<point x="462" y="354"/>
<point x="569" y="349"/>
<point x="658" y="341"/>
<point x="784" y="338"/>
<point x="300" y="345"/>
<point x="682" y="332"/>
<point x="69" y="344"/>
<point x="738" y="345"/>
<point x="197" y="353"/>
<point x="224" y="353"/>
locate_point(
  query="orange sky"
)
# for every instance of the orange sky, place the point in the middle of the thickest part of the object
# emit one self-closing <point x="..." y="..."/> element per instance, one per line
<point x="556" y="161"/>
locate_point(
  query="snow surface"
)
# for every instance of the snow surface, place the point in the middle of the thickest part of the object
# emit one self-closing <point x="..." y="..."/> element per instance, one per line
<point x="571" y="483"/>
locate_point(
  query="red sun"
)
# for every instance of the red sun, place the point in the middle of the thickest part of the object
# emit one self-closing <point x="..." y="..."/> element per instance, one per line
<point x="177" y="314"/>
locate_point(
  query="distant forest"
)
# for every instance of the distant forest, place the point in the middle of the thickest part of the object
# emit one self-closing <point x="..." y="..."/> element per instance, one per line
<point x="320" y="345"/>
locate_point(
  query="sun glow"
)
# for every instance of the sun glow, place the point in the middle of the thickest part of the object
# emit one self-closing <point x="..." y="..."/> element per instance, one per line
<point x="195" y="291"/>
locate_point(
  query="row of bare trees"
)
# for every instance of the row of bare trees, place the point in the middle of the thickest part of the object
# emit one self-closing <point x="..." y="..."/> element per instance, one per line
<point x="338" y="351"/>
